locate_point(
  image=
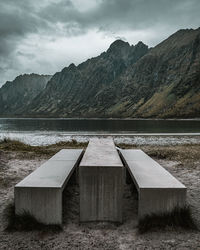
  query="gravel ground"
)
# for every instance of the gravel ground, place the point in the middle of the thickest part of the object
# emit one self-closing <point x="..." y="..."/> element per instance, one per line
<point x="97" y="235"/>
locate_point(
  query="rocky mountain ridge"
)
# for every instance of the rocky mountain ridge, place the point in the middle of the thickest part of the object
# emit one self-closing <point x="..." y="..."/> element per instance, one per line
<point x="126" y="81"/>
<point x="74" y="89"/>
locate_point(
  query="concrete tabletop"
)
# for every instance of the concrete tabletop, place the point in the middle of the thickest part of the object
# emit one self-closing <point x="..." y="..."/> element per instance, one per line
<point x="101" y="152"/>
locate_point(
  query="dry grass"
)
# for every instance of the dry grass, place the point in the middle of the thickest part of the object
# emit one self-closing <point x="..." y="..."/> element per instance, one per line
<point x="178" y="218"/>
<point x="176" y="152"/>
<point x="25" y="222"/>
<point x="27" y="151"/>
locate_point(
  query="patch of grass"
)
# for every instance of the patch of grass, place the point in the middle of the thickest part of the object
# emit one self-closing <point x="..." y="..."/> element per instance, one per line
<point x="175" y="152"/>
<point x="178" y="218"/>
<point x="162" y="153"/>
<point x="25" y="222"/>
<point x="72" y="144"/>
<point x="17" y="146"/>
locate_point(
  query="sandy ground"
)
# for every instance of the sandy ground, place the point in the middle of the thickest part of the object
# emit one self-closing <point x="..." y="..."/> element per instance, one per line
<point x="97" y="235"/>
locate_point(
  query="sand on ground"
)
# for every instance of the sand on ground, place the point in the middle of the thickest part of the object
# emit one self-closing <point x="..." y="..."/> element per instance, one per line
<point x="97" y="235"/>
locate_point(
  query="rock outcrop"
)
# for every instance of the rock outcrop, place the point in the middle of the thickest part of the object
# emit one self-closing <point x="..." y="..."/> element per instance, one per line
<point x="16" y="95"/>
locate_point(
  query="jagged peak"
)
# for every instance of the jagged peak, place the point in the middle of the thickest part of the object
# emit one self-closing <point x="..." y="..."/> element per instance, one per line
<point x="72" y="66"/>
<point x="118" y="44"/>
<point x="141" y="44"/>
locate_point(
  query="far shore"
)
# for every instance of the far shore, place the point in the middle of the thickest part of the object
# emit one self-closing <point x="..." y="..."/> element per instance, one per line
<point x="99" y="118"/>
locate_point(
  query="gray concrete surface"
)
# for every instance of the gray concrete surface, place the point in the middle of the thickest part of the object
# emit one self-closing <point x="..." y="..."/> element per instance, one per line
<point x="40" y="193"/>
<point x="101" y="179"/>
<point x="158" y="190"/>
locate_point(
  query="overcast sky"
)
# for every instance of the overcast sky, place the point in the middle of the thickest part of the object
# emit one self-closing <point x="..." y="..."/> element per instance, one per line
<point x="43" y="36"/>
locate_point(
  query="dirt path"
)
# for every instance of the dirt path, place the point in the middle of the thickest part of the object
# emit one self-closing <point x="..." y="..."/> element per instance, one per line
<point x="97" y="235"/>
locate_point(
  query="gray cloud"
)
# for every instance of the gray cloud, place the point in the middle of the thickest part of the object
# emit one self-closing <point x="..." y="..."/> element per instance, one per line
<point x="43" y="36"/>
<point x="126" y="14"/>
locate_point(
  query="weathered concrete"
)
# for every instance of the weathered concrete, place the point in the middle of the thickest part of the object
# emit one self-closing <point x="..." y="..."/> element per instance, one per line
<point x="101" y="178"/>
<point x="158" y="190"/>
<point x="40" y="193"/>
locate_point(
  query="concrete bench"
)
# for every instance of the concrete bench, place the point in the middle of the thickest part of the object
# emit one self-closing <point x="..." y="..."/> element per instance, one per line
<point x="158" y="190"/>
<point x="40" y="193"/>
<point x="101" y="179"/>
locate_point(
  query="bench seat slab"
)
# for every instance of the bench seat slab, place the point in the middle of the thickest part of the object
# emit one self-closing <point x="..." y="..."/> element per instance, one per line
<point x="159" y="191"/>
<point x="40" y="193"/>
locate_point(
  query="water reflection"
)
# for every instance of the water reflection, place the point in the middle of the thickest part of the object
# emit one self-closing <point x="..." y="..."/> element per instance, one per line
<point x="101" y="125"/>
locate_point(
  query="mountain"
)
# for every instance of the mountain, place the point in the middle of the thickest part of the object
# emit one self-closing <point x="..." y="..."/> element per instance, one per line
<point x="73" y="91"/>
<point x="127" y="81"/>
<point x="168" y="79"/>
<point x="164" y="83"/>
<point x="16" y="95"/>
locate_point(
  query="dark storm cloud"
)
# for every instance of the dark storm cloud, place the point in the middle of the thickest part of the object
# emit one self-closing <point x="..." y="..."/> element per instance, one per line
<point x="66" y="18"/>
<point x="17" y="19"/>
<point x="125" y="14"/>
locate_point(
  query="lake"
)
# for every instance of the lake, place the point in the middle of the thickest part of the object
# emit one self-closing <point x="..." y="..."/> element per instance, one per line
<point x="42" y="131"/>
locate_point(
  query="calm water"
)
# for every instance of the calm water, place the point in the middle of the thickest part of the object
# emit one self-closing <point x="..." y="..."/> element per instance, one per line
<point x="101" y="125"/>
<point x="45" y="131"/>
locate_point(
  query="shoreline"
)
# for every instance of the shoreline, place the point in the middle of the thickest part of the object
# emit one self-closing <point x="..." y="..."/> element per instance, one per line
<point x="39" y="138"/>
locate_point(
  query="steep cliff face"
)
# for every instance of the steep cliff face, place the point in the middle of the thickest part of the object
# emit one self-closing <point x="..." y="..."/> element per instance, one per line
<point x="72" y="92"/>
<point x="166" y="81"/>
<point x="163" y="83"/>
<point x="16" y="95"/>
